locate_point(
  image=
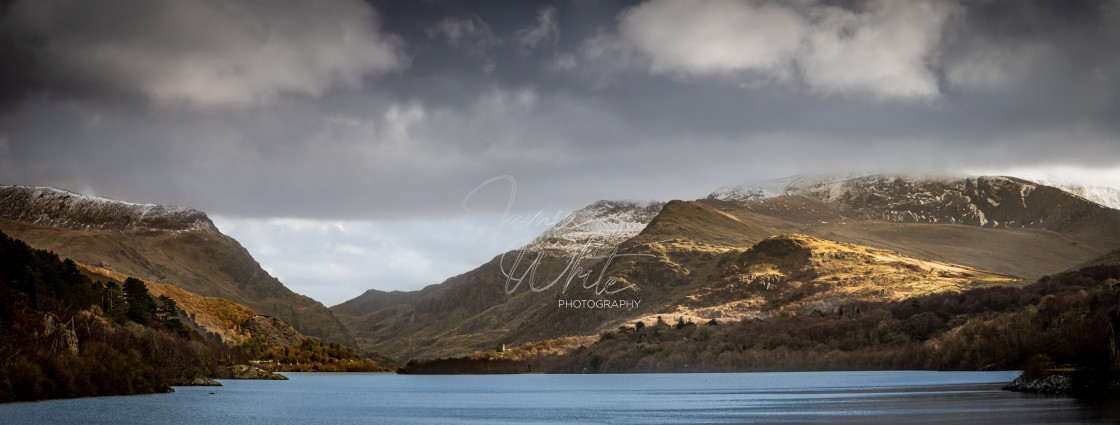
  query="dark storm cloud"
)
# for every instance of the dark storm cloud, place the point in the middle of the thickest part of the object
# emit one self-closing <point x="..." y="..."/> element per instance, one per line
<point x="390" y="109"/>
<point x="1035" y="62"/>
<point x="200" y="53"/>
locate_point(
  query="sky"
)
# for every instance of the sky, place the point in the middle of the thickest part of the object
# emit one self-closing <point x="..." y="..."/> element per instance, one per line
<point x="339" y="140"/>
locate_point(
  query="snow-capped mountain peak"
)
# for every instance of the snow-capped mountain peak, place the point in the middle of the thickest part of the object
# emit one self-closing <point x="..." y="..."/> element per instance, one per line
<point x="47" y="206"/>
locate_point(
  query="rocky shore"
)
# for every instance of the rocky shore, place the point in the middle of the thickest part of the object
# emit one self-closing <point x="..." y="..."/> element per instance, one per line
<point x="243" y="371"/>
<point x="200" y="381"/>
<point x="240" y="371"/>
<point x="1053" y="384"/>
<point x="1078" y="383"/>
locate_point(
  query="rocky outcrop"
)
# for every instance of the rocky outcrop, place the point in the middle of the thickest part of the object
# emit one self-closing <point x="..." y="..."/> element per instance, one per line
<point x="61" y="335"/>
<point x="200" y="381"/>
<point x="1081" y="382"/>
<point x="272" y="332"/>
<point x="1052" y="384"/>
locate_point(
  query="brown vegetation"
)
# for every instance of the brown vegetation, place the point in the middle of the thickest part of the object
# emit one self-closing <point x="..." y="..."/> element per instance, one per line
<point x="217" y="317"/>
<point x="311" y="356"/>
<point x="1064" y="318"/>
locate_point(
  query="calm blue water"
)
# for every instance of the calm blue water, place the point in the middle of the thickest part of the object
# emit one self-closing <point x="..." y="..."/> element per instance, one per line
<point x="815" y="397"/>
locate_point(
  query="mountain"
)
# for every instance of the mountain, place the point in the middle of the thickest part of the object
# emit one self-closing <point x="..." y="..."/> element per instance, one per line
<point x="699" y="263"/>
<point x="987" y="201"/>
<point x="1001" y="224"/>
<point x="177" y="245"/>
<point x="994" y="202"/>
<point x="473" y="311"/>
<point x="373" y="300"/>
<point x="815" y="243"/>
<point x="689" y="242"/>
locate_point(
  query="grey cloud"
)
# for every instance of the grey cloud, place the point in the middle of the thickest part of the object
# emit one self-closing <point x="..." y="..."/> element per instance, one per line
<point x="546" y="30"/>
<point x="1054" y="54"/>
<point x="714" y="37"/>
<point x="176" y="52"/>
<point x="471" y="34"/>
<point x="600" y="61"/>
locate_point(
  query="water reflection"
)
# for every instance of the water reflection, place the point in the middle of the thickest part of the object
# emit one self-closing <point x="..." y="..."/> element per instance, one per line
<point x="821" y="397"/>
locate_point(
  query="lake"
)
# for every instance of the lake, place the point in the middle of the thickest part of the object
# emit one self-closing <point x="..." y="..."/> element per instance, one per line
<point x="912" y="397"/>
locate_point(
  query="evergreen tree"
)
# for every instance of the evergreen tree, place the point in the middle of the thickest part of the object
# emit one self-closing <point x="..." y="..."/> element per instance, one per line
<point x="167" y="309"/>
<point x="141" y="307"/>
<point x="167" y="312"/>
<point x="114" y="304"/>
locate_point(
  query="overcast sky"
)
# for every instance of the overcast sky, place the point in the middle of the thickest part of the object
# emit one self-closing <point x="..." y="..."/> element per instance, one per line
<point x="337" y="139"/>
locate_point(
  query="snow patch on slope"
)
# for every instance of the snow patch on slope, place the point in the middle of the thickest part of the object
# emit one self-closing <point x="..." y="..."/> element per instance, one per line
<point x="597" y="227"/>
<point x="792" y="185"/>
<point x="986" y="201"/>
<point x="47" y="206"/>
<point x="1103" y="195"/>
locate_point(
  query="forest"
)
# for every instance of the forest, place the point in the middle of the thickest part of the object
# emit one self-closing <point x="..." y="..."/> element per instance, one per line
<point x="63" y="335"/>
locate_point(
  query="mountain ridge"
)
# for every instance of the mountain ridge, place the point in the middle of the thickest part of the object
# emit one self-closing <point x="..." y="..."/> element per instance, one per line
<point x="60" y="208"/>
<point x="822" y="186"/>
